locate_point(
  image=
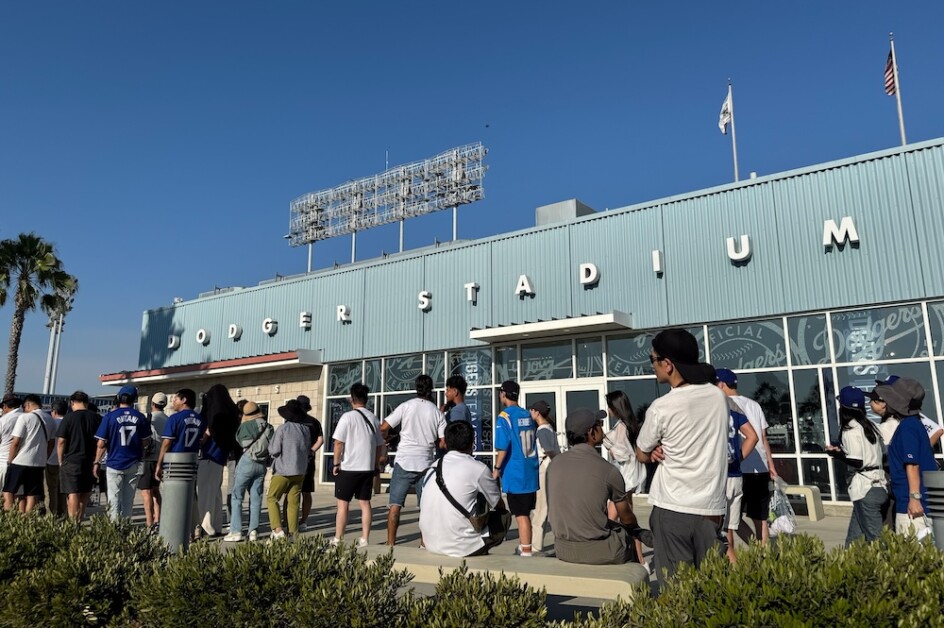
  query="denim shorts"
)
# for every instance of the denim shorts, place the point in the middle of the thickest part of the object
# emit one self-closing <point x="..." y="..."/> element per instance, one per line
<point x="400" y="482"/>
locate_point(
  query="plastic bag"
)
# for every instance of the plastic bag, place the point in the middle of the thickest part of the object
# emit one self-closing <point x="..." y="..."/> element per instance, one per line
<point x="782" y="518"/>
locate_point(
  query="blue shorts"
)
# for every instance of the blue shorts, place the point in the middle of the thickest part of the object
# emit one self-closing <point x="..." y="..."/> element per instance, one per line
<point x="400" y="482"/>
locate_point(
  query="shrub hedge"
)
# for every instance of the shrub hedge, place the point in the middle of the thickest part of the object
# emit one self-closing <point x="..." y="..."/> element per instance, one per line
<point x="56" y="573"/>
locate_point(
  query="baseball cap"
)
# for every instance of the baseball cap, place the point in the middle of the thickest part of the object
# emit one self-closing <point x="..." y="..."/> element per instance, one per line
<point x="304" y="402"/>
<point x="131" y="391"/>
<point x="159" y="399"/>
<point x="541" y="406"/>
<point x="582" y="419"/>
<point x="851" y="397"/>
<point x="511" y="388"/>
<point x="681" y="347"/>
<point x="727" y="376"/>
<point x="888" y="381"/>
<point x="251" y="410"/>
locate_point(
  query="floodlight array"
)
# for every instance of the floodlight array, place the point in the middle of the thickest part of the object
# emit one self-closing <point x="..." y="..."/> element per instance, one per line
<point x="452" y="178"/>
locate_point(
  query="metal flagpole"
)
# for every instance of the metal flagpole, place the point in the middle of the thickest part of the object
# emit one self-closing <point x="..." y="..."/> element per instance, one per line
<point x="734" y="144"/>
<point x="55" y="355"/>
<point x="53" y="326"/>
<point x="901" y="117"/>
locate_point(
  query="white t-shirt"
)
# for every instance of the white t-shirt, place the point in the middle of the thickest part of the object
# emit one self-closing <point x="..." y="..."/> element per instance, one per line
<point x="360" y="440"/>
<point x="445" y="530"/>
<point x="889" y="425"/>
<point x="423" y="426"/>
<point x="858" y="447"/>
<point x="691" y="424"/>
<point x="7" y="422"/>
<point x="756" y="461"/>
<point x="35" y="434"/>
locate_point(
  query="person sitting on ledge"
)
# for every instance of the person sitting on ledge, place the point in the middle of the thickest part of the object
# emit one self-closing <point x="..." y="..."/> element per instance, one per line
<point x="446" y="530"/>
<point x="579" y="483"/>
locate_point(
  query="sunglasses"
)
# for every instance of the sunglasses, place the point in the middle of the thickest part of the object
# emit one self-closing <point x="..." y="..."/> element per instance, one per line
<point x="653" y="359"/>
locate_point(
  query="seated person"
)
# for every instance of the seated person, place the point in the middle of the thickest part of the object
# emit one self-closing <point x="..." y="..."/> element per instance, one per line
<point x="446" y="530"/>
<point x="579" y="483"/>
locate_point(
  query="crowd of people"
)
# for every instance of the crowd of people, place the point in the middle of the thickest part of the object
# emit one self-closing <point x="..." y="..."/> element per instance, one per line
<point x="702" y="451"/>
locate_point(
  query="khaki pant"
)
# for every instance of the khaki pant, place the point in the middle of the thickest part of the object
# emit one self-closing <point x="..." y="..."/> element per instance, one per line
<point x="615" y="549"/>
<point x="539" y="514"/>
<point x="279" y="485"/>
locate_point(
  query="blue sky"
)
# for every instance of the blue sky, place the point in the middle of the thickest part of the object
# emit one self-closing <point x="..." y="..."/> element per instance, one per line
<point x="159" y="144"/>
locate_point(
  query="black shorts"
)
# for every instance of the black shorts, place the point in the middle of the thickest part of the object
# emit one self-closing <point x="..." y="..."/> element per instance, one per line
<point x="308" y="483"/>
<point x="756" y="501"/>
<point x="351" y="484"/>
<point x="147" y="481"/>
<point x="521" y="504"/>
<point x="74" y="478"/>
<point x="30" y="479"/>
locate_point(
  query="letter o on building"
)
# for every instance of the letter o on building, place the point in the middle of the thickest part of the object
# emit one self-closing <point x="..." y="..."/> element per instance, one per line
<point x="203" y="337"/>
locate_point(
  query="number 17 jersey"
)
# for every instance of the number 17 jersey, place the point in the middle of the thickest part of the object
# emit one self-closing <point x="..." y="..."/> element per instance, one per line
<point x="184" y="429"/>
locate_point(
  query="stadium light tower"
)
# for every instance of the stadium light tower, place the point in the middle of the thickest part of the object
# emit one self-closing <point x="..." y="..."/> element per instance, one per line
<point x="452" y="178"/>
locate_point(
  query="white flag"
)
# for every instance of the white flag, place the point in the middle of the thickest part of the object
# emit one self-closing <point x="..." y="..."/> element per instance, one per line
<point x="726" y="114"/>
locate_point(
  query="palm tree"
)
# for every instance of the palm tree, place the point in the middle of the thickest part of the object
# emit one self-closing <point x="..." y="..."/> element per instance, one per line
<point x="29" y="266"/>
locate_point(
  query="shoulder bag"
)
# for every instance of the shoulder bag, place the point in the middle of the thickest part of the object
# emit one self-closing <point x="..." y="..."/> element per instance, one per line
<point x="267" y="460"/>
<point x="482" y="518"/>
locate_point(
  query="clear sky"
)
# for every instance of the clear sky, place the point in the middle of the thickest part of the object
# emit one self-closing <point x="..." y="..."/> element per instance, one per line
<point x="158" y="144"/>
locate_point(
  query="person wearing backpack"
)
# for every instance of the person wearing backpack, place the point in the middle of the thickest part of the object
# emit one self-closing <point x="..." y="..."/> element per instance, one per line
<point x="358" y="454"/>
<point x="253" y="436"/>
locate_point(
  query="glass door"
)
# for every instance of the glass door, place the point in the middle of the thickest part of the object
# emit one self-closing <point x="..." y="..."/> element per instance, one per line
<point x="564" y="398"/>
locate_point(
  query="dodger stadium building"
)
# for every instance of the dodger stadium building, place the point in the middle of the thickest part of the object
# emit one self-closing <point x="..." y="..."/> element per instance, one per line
<point x="802" y="282"/>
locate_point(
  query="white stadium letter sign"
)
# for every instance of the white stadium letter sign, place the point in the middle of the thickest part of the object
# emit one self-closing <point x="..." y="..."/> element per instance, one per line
<point x="304" y="320"/>
<point x="524" y="286"/>
<point x="471" y="292"/>
<point x="203" y="337"/>
<point x="235" y="332"/>
<point x="270" y="326"/>
<point x="657" y="262"/>
<point x="589" y="274"/>
<point x="173" y="342"/>
<point x="739" y="252"/>
<point x="839" y="235"/>
<point x="344" y="314"/>
<point x="425" y="300"/>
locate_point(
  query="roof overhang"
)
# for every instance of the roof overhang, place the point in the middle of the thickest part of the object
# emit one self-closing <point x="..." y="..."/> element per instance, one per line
<point x="288" y="359"/>
<point x="612" y="321"/>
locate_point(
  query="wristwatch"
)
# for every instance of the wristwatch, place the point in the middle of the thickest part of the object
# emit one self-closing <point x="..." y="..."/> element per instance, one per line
<point x="915" y="496"/>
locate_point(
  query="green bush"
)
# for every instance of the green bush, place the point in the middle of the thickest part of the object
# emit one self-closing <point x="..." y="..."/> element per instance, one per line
<point x="475" y="599"/>
<point x="87" y="581"/>
<point x="29" y="540"/>
<point x="795" y="582"/>
<point x="304" y="583"/>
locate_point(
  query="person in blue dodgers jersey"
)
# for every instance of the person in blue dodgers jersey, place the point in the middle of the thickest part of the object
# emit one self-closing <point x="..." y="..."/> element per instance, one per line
<point x="123" y="433"/>
<point x="183" y="430"/>
<point x="909" y="455"/>
<point x="517" y="462"/>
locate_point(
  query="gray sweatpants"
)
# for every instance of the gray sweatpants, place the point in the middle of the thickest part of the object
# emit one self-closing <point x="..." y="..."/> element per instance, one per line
<point x="682" y="538"/>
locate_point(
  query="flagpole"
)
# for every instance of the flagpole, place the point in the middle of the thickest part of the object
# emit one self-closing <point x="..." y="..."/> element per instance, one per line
<point x="734" y="144"/>
<point x="901" y="117"/>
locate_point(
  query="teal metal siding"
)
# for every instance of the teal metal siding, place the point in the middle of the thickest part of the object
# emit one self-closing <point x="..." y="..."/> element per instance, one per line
<point x="896" y="198"/>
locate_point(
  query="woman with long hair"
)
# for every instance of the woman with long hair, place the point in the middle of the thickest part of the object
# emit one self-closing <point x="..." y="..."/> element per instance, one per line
<point x="862" y="452"/>
<point x="222" y="420"/>
<point x="620" y="441"/>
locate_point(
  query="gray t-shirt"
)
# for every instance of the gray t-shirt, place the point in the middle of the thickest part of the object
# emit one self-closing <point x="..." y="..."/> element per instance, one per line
<point x="158" y="421"/>
<point x="289" y="449"/>
<point x="579" y="482"/>
<point x="547" y="441"/>
<point x="459" y="412"/>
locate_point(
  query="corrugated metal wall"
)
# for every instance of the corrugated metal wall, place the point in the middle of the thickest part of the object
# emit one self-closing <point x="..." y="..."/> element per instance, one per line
<point x="895" y="197"/>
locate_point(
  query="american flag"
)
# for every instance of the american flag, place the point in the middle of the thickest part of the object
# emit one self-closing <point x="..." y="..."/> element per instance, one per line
<point x="890" y="75"/>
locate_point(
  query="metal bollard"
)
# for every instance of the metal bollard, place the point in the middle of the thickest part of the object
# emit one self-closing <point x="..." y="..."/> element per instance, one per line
<point x="934" y="484"/>
<point x="177" y="489"/>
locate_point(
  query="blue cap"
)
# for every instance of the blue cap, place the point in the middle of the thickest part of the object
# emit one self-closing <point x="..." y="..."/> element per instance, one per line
<point x="852" y="397"/>
<point x="727" y="376"/>
<point x="888" y="381"/>
<point x="131" y="391"/>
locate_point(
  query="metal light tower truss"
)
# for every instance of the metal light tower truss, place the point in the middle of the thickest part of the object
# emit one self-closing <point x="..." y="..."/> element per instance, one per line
<point x="455" y="177"/>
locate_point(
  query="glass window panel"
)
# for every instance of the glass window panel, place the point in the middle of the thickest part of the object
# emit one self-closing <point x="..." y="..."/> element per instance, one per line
<point x="547" y="360"/>
<point x="641" y="393"/>
<point x="589" y="357"/>
<point x="772" y="392"/>
<point x="748" y="345"/>
<point x="436" y="368"/>
<point x="475" y="365"/>
<point x="372" y="370"/>
<point x="400" y="372"/>
<point x="841" y="476"/>
<point x="879" y="334"/>
<point x="699" y="333"/>
<point x="936" y="321"/>
<point x="628" y="355"/>
<point x="832" y="414"/>
<point x="864" y="376"/>
<point x="808" y="339"/>
<point x="816" y="473"/>
<point x="342" y="376"/>
<point x="506" y="363"/>
<point x="929" y="401"/>
<point x="787" y="469"/>
<point x="809" y="410"/>
<point x="479" y="401"/>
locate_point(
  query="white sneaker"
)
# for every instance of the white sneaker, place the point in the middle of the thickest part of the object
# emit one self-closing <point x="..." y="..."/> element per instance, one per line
<point x="233" y="537"/>
<point x="253" y="536"/>
<point x="523" y="554"/>
<point x="277" y="535"/>
<point x="362" y="542"/>
<point x="334" y="542"/>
